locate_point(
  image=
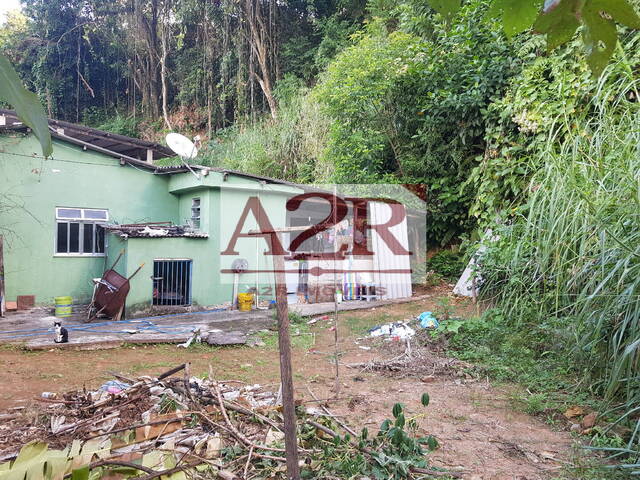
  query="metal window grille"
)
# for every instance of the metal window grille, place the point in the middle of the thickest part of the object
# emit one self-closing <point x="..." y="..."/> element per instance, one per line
<point x="172" y="282"/>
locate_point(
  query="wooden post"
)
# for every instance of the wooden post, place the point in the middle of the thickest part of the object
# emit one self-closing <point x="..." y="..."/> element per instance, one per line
<point x="286" y="377"/>
<point x="284" y="345"/>
<point x="2" y="300"/>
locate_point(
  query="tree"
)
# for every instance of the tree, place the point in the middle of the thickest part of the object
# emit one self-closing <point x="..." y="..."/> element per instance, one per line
<point x="559" y="20"/>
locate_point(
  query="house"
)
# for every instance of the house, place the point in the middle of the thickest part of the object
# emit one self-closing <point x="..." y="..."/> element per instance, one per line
<point x="102" y="197"/>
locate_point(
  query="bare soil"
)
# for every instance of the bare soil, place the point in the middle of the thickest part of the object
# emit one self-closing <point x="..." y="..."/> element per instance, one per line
<point x="480" y="433"/>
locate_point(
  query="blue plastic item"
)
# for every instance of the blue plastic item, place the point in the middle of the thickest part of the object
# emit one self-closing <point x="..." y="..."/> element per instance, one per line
<point x="428" y="320"/>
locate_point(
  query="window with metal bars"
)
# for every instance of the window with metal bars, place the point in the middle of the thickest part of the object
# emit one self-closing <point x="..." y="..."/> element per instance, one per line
<point x="172" y="282"/>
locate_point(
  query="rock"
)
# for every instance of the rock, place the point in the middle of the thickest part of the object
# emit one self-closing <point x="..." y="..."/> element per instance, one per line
<point x="217" y="337"/>
<point x="589" y="420"/>
<point x="574" y="412"/>
<point x="273" y="436"/>
<point x="255" y="342"/>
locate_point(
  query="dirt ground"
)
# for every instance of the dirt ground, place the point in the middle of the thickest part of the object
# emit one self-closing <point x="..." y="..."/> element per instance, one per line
<point x="480" y="433"/>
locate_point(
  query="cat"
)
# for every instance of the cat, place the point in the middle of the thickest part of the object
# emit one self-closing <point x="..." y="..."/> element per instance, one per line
<point x="62" y="335"/>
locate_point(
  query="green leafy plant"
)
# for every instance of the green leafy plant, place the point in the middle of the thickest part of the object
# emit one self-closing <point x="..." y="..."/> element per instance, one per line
<point x="395" y="452"/>
<point x="26" y="103"/>
<point x="447" y="263"/>
<point x="559" y="20"/>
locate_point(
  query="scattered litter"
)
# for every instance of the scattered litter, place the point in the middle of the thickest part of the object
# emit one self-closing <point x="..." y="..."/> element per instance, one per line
<point x="574" y="411"/>
<point x="399" y="330"/>
<point x="114" y="386"/>
<point x="195" y="337"/>
<point x="273" y="437"/>
<point x="314" y="320"/>
<point x="49" y="395"/>
<point x="364" y="348"/>
<point x="154" y="232"/>
<point x="428" y="320"/>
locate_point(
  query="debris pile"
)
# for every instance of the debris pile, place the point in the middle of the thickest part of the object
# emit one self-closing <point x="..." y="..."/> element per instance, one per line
<point x="181" y="421"/>
<point x="414" y="351"/>
<point x="153" y="230"/>
<point x="177" y="426"/>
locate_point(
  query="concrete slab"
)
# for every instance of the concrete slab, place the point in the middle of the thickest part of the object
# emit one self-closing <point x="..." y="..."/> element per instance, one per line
<point x="34" y="328"/>
<point x="314" y="309"/>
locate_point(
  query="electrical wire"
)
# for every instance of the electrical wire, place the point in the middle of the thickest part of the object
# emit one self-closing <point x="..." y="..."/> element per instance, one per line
<point x="53" y="159"/>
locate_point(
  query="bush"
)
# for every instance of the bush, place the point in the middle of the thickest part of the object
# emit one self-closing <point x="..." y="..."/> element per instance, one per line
<point x="447" y="263"/>
<point x="408" y="101"/>
<point x="122" y="125"/>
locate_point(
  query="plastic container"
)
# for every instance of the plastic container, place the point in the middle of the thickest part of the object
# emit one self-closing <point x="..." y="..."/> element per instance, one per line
<point x="63" y="306"/>
<point x="245" y="300"/>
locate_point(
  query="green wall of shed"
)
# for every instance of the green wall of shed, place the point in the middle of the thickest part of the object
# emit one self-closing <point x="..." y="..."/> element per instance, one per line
<point x="31" y="188"/>
<point x="73" y="177"/>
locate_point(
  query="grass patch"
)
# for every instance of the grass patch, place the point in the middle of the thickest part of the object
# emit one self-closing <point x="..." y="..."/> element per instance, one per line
<point x="301" y="337"/>
<point x="361" y="324"/>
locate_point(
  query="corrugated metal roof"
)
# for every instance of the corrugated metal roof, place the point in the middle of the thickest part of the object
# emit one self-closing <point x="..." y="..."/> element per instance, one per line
<point x="106" y="142"/>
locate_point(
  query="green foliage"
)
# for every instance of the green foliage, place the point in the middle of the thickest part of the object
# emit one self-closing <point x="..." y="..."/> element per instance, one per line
<point x="121" y="124"/>
<point x="542" y="106"/>
<point x="289" y="147"/>
<point x="26" y="104"/>
<point x="559" y="20"/>
<point x="392" y="452"/>
<point x="408" y="105"/>
<point x="447" y="263"/>
<point x="36" y="462"/>
<point x="565" y="270"/>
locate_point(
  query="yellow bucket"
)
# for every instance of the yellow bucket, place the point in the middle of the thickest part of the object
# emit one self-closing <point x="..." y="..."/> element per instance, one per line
<point x="63" y="306"/>
<point x="244" y="301"/>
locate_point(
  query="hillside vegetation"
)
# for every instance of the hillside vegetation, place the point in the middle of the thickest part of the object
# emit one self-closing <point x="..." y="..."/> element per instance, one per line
<point x="540" y="147"/>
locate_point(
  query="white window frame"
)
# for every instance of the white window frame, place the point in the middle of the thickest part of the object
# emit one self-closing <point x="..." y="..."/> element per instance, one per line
<point x="196" y="212"/>
<point x="83" y="218"/>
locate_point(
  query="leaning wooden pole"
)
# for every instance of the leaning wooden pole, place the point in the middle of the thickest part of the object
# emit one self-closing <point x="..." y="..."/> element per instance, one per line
<point x="286" y="377"/>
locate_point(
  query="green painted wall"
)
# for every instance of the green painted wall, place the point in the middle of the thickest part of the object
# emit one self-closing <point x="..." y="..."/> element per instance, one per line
<point x="33" y="187"/>
<point x="273" y="198"/>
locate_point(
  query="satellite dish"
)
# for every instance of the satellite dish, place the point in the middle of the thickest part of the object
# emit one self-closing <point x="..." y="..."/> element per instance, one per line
<point x="182" y="146"/>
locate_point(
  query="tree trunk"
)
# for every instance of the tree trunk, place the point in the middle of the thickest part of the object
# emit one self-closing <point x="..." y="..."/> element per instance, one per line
<point x="163" y="72"/>
<point x="259" y="42"/>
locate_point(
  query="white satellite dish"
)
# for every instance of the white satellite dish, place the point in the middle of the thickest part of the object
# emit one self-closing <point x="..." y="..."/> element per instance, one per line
<point x="182" y="146"/>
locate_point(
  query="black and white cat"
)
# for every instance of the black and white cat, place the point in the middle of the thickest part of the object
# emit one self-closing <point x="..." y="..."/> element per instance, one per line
<point x="62" y="335"/>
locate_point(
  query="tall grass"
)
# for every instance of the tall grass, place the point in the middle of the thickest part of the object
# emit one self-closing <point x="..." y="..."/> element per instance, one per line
<point x="572" y="258"/>
<point x="289" y="147"/>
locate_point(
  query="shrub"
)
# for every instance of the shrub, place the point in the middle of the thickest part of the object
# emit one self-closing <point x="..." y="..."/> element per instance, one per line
<point x="447" y="263"/>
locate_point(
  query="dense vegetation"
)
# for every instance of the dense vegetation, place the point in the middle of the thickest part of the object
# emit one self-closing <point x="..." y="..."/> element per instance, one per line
<point x="505" y="135"/>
